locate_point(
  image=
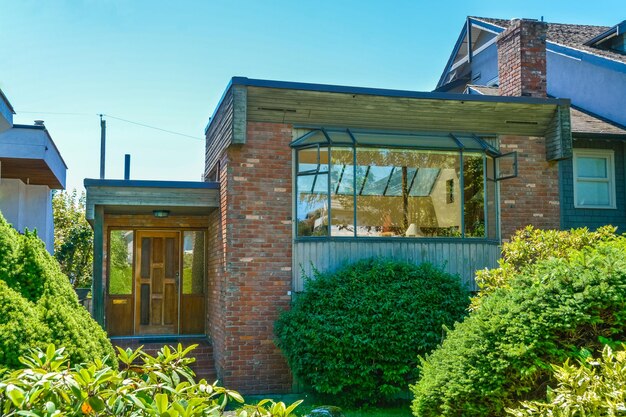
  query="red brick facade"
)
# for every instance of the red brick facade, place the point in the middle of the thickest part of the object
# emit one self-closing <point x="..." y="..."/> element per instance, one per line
<point x="533" y="197"/>
<point x="522" y="59"/>
<point x="250" y="260"/>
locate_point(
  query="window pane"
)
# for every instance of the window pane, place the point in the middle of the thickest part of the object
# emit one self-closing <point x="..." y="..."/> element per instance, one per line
<point x="308" y="159"/>
<point x="474" y="197"/>
<point x="193" y="262"/>
<point x="121" y="262"/>
<point x="590" y="167"/>
<point x="404" y="192"/>
<point x="491" y="201"/>
<point x="593" y="193"/>
<point x="342" y="192"/>
<point x="312" y="209"/>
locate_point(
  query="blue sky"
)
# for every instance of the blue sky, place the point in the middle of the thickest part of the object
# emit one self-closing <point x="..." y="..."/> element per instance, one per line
<point x="166" y="64"/>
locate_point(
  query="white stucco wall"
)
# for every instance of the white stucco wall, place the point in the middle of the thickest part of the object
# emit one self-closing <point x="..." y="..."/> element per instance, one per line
<point x="28" y="207"/>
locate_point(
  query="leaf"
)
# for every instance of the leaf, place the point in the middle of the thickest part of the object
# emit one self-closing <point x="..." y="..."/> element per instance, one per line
<point x="161" y="402"/>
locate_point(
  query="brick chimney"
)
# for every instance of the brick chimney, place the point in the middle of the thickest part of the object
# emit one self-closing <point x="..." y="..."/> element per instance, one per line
<point x="522" y="59"/>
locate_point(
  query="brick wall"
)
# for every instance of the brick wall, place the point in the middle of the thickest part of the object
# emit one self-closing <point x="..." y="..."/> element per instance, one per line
<point x="522" y="59"/>
<point x="203" y="366"/>
<point x="250" y="260"/>
<point x="533" y="197"/>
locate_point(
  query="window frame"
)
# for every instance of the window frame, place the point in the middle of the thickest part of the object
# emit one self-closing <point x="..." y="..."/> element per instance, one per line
<point x="480" y="146"/>
<point x="609" y="156"/>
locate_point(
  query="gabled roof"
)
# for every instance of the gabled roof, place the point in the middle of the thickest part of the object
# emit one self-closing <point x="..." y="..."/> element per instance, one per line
<point x="583" y="122"/>
<point x="572" y="40"/>
<point x="568" y="35"/>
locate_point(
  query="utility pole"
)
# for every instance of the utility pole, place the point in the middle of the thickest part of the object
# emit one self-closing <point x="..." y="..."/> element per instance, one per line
<point x="103" y="130"/>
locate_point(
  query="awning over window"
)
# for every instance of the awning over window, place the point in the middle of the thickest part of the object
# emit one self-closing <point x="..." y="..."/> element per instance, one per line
<point x="350" y="137"/>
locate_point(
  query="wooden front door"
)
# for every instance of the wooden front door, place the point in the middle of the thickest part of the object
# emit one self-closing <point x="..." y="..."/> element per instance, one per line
<point x="157" y="277"/>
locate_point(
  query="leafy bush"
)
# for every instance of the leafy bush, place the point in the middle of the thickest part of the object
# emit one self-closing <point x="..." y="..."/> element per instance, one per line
<point x="529" y="246"/>
<point x="501" y="353"/>
<point x="356" y="333"/>
<point x="597" y="387"/>
<point x="19" y="327"/>
<point x="38" y="304"/>
<point x="159" y="386"/>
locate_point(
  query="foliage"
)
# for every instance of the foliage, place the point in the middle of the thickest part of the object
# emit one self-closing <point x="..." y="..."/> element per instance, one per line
<point x="529" y="246"/>
<point x="38" y="304"/>
<point x="19" y="326"/>
<point x="597" y="387"/>
<point x="501" y="353"/>
<point x="73" y="237"/>
<point x="144" y="385"/>
<point x="121" y="274"/>
<point x="356" y="333"/>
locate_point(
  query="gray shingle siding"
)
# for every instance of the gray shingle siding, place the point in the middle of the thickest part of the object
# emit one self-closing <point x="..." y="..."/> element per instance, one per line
<point x="572" y="217"/>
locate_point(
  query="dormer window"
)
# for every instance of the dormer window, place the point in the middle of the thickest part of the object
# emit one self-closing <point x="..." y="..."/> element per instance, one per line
<point x="613" y="39"/>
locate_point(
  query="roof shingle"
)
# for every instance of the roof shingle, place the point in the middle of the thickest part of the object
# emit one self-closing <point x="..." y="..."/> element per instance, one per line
<point x="572" y="36"/>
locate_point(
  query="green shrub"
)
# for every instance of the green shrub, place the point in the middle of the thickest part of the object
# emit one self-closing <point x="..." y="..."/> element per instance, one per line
<point x="43" y="305"/>
<point x="529" y="246"/>
<point x="596" y="387"/>
<point x="162" y="385"/>
<point x="501" y="353"/>
<point x="19" y="327"/>
<point x="356" y="333"/>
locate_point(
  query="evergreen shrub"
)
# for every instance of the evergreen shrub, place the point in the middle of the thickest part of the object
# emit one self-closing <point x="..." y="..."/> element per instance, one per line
<point x="502" y="352"/>
<point x="356" y="333"/>
<point x="39" y="306"/>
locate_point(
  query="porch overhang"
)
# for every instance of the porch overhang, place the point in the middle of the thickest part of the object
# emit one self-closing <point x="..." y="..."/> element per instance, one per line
<point x="144" y="197"/>
<point x="326" y="106"/>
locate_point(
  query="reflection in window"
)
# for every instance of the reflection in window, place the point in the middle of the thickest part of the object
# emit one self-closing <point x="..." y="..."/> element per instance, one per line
<point x="121" y="262"/>
<point x="474" y="209"/>
<point x="373" y="187"/>
<point x="594" y="179"/>
<point x="404" y="192"/>
<point x="193" y="262"/>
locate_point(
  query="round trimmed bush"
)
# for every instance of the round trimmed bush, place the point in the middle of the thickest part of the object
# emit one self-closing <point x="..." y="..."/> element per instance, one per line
<point x="357" y="333"/>
<point x="502" y="352"/>
<point x="39" y="306"/>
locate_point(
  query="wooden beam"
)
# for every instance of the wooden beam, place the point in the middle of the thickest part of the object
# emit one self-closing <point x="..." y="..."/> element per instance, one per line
<point x="97" y="288"/>
<point x="240" y="114"/>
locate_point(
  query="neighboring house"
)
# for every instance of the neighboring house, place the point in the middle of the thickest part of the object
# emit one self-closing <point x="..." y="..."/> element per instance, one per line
<point x="302" y="176"/>
<point x="30" y="168"/>
<point x="586" y="64"/>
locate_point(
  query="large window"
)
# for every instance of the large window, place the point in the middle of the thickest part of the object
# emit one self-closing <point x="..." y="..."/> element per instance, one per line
<point x="365" y="184"/>
<point x="594" y="179"/>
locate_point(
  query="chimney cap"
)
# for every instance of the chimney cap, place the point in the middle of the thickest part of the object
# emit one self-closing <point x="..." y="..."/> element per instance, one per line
<point x="39" y="123"/>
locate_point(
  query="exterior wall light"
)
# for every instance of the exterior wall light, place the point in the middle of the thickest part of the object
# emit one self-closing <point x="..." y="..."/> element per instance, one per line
<point x="161" y="213"/>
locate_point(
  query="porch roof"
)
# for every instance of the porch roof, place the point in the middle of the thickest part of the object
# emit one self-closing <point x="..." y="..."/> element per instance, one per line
<point x="143" y="197"/>
<point x="319" y="105"/>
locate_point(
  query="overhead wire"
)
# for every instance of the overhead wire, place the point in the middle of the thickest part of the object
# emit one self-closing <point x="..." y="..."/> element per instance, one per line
<point x="116" y="118"/>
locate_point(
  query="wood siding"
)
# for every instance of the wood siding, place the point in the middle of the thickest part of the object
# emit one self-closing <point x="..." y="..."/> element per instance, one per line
<point x="462" y="257"/>
<point x="559" y="136"/>
<point x="220" y="133"/>
<point x="394" y="113"/>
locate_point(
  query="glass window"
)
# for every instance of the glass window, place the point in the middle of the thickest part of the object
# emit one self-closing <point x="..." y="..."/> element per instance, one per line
<point x="342" y="191"/>
<point x="121" y="262"/>
<point x="474" y="197"/>
<point x="594" y="179"/>
<point x="402" y="192"/>
<point x="193" y="262"/>
<point x="389" y="190"/>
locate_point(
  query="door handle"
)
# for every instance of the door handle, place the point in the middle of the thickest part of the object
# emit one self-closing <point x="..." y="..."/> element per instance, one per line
<point x="177" y="278"/>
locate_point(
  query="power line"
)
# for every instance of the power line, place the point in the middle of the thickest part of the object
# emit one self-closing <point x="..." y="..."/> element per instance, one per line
<point x="113" y="117"/>
<point x="152" y="127"/>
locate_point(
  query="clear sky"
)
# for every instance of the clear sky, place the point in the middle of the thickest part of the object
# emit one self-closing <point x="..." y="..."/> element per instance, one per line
<point x="167" y="63"/>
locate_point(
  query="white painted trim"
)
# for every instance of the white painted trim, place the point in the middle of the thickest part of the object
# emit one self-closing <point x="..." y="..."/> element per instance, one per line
<point x="484" y="46"/>
<point x="565" y="55"/>
<point x="459" y="63"/>
<point x="474" y="25"/>
<point x="607" y="154"/>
